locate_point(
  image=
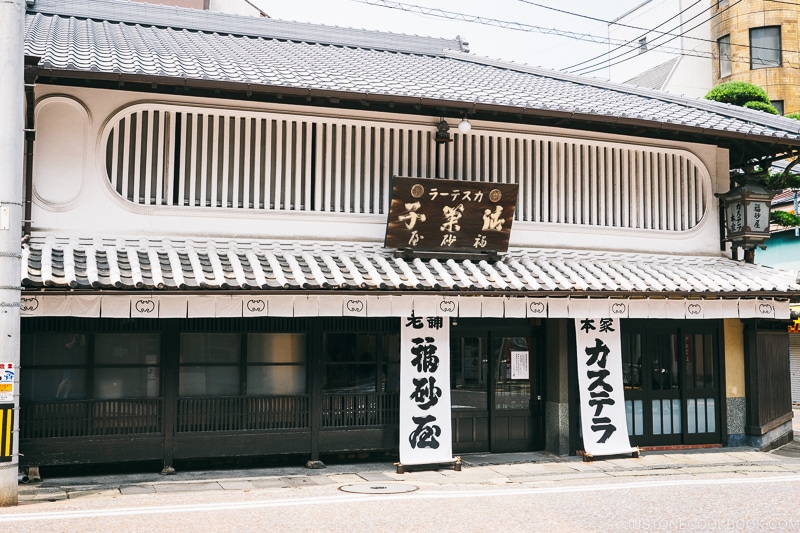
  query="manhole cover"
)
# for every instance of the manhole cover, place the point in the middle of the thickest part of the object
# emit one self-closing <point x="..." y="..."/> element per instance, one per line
<point x="378" y="488"/>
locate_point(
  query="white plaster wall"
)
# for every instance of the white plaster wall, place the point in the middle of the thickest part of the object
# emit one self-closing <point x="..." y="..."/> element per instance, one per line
<point x="235" y="7"/>
<point x="692" y="75"/>
<point x="88" y="206"/>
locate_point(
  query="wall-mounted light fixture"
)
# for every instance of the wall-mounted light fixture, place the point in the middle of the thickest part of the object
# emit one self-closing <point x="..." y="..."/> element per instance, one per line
<point x="747" y="207"/>
<point x="443" y="132"/>
<point x="464" y="126"/>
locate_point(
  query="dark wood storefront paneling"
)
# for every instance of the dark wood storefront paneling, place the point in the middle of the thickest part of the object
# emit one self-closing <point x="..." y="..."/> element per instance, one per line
<point x="173" y="427"/>
<point x="769" y="395"/>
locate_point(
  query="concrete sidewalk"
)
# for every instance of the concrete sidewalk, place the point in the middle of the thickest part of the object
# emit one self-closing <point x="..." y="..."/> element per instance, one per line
<point x="483" y="469"/>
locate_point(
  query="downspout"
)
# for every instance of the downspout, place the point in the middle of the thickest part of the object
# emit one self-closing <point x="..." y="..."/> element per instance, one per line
<point x="30" y="75"/>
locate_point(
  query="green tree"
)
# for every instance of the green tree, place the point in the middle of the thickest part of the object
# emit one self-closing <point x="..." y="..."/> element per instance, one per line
<point x="743" y="94"/>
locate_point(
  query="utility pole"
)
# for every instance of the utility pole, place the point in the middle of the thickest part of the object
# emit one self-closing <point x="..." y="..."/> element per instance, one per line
<point x="12" y="126"/>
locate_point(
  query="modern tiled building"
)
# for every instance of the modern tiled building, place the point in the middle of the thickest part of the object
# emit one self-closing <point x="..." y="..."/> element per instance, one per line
<point x="757" y="42"/>
<point x="205" y="272"/>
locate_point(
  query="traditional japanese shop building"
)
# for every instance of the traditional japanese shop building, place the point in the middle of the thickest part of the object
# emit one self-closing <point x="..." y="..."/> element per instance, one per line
<point x="206" y="272"/>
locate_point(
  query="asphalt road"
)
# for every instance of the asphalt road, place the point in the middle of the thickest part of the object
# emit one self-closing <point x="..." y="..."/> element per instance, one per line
<point x="648" y="501"/>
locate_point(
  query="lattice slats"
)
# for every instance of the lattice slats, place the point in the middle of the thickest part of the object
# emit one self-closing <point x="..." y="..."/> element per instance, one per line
<point x="194" y="157"/>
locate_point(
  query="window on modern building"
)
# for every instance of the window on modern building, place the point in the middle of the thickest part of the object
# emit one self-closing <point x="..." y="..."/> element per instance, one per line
<point x="210" y="364"/>
<point x="724" y="44"/>
<point x="276" y="363"/>
<point x="765" y="47"/>
<point x="777" y="104"/>
<point x="55" y="366"/>
<point x="722" y="3"/>
<point x="126" y="365"/>
<point x="643" y="45"/>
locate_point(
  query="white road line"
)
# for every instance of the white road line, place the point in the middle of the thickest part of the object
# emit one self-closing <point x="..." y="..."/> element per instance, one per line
<point x="342" y="498"/>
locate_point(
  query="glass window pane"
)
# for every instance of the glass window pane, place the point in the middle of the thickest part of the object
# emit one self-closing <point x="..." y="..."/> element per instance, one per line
<point x="210" y="347"/>
<point x="638" y="416"/>
<point x="699" y="361"/>
<point x="43" y="384"/>
<point x="127" y="348"/>
<point x="632" y="361"/>
<point x="629" y="416"/>
<point x="209" y="381"/>
<point x="712" y="415"/>
<point x="656" y="408"/>
<point x="674" y="371"/>
<point x="54" y="349"/>
<point x="688" y="363"/>
<point x="276" y="348"/>
<point x="350" y="378"/>
<point x="724" y="56"/>
<point x="709" y="362"/>
<point x="286" y="379"/>
<point x="701" y="416"/>
<point x="663" y="355"/>
<point x="510" y="393"/>
<point x="122" y="382"/>
<point x="357" y="362"/>
<point x="468" y="369"/>
<point x="765" y="47"/>
<point x="676" y="416"/>
<point x="691" y="416"/>
<point x="391" y="378"/>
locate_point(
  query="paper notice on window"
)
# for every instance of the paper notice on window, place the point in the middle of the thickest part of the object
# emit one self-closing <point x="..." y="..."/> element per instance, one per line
<point x="519" y="365"/>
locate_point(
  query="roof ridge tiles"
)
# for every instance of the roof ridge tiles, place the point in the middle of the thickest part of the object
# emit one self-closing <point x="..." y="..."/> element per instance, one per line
<point x="133" y="13"/>
<point x="729" y="110"/>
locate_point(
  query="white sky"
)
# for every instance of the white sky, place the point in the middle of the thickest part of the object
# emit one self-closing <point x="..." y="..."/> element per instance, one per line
<point x="529" y="47"/>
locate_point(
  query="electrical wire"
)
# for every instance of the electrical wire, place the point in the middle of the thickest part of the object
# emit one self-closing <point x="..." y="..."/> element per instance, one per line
<point x="631" y="41"/>
<point x="518" y="26"/>
<point x="487" y="21"/>
<point x="781" y="50"/>
<point x="653" y="45"/>
<point x="634" y="42"/>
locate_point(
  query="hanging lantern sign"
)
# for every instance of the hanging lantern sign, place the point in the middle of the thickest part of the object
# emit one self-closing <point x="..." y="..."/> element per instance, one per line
<point x="747" y="209"/>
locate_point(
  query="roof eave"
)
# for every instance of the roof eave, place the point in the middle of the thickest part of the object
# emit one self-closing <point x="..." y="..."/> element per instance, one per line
<point x="776" y="145"/>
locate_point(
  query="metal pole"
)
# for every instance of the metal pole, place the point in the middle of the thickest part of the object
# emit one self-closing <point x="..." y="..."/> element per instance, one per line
<point x="12" y="126"/>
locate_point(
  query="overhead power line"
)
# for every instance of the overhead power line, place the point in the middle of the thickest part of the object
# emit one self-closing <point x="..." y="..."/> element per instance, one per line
<point x="519" y="26"/>
<point x="488" y="21"/>
<point x="631" y="41"/>
<point x="655" y="44"/>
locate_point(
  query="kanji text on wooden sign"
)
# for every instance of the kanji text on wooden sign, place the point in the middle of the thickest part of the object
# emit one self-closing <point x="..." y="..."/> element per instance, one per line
<point x="451" y="216"/>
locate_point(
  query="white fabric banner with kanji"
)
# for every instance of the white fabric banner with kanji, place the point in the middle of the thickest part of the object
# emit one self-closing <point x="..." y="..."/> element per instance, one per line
<point x="425" y="429"/>
<point x="603" y="420"/>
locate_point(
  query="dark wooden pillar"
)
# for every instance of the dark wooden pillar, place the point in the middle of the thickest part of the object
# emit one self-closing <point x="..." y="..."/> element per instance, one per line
<point x="170" y="349"/>
<point x="315" y="369"/>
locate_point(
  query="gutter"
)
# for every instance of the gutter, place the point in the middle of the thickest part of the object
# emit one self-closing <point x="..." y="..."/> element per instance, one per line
<point x="30" y="75"/>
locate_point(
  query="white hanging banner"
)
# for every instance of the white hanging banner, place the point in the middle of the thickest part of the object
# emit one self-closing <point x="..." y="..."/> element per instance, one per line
<point x="603" y="419"/>
<point x="425" y="429"/>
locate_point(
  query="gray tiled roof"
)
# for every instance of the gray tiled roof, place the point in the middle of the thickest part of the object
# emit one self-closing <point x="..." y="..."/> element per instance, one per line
<point x="229" y="265"/>
<point x="163" y="43"/>
<point x="656" y="77"/>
